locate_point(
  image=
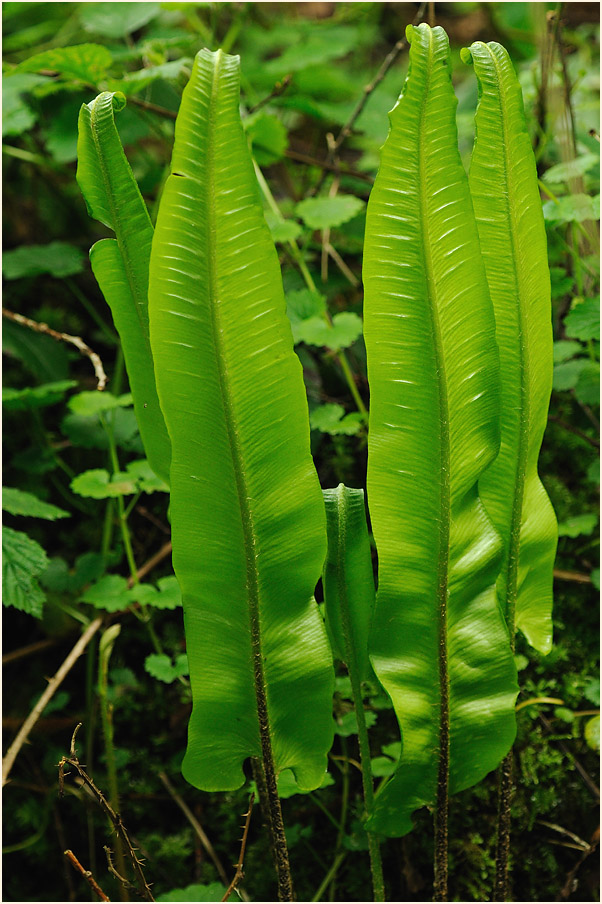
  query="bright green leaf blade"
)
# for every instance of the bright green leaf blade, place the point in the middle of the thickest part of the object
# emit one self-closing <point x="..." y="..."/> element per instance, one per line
<point x="503" y="184"/>
<point x="117" y="21"/>
<point x="348" y="579"/>
<point x="247" y="512"/>
<point x="578" y="525"/>
<point x="572" y="208"/>
<point x="121" y="264"/>
<point x="432" y="366"/>
<point x="583" y="320"/>
<point x="36" y="396"/>
<point x="19" y="503"/>
<point x="110" y="593"/>
<point x="23" y="560"/>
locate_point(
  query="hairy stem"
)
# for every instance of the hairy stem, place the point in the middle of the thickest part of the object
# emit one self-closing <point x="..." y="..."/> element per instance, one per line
<point x="502" y="849"/>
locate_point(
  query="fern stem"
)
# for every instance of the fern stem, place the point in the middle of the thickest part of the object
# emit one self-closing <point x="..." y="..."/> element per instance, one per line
<point x="502" y="850"/>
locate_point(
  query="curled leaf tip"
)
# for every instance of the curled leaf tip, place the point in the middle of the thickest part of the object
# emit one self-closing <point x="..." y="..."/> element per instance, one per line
<point x="466" y="55"/>
<point x="119" y="101"/>
<point x="409" y="33"/>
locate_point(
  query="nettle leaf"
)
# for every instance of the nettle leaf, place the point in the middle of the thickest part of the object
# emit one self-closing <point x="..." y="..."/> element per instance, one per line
<point x="17" y="115"/>
<point x="572" y="208"/>
<point x="269" y="137"/>
<point x="18" y="502"/>
<point x="89" y="567"/>
<point x="117" y="21"/>
<point x="142" y="78"/>
<point x="587" y="389"/>
<point x="169" y="595"/>
<point x="87" y="404"/>
<point x="86" y="62"/>
<point x="99" y="484"/>
<point x="332" y="419"/>
<point x="592" y="733"/>
<point x="323" y="213"/>
<point x="567" y="373"/>
<point x="161" y="666"/>
<point x="572" y="169"/>
<point x="578" y="525"/>
<point x="58" y="259"/>
<point x="282" y="230"/>
<point x="583" y="320"/>
<point x="111" y="593"/>
<point x="345" y="329"/>
<point x="23" y="561"/>
<point x="36" y="396"/>
<point x="89" y="432"/>
<point x="212" y="892"/>
<point x="564" y="350"/>
<point x="346" y="725"/>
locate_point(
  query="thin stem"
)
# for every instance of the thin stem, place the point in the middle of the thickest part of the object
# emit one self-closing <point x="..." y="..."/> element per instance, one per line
<point x="331" y="872"/>
<point x="502" y="849"/>
<point x="343" y="818"/>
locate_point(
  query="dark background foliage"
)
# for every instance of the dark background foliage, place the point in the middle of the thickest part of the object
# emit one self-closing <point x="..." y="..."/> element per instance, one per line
<point x="312" y="62"/>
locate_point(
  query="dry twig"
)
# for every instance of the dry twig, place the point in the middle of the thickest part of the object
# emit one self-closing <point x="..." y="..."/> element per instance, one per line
<point x="278" y="89"/>
<point x="79" y="343"/>
<point x="86" y="874"/>
<point x="115" y="818"/>
<point x="239" y="874"/>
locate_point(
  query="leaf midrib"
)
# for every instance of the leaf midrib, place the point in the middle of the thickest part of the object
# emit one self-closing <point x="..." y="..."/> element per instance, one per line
<point x="241" y="481"/>
<point x="445" y="507"/>
<point x="525" y="412"/>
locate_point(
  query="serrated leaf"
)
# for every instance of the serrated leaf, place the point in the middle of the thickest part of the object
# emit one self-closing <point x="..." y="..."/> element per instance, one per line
<point x="23" y="560"/>
<point x="331" y="419"/>
<point x="133" y="82"/>
<point x="301" y="304"/>
<point x="58" y="259"/>
<point x="591" y="691"/>
<point x="572" y="169"/>
<point x="282" y="230"/>
<point x="117" y="21"/>
<point x="99" y="484"/>
<point x="18" y="502"/>
<point x="567" y="373"/>
<point x="86" y="62"/>
<point x="17" y="115"/>
<point x="592" y="733"/>
<point x="346" y="328"/>
<point x="36" y="396"/>
<point x="146" y="479"/>
<point x="572" y="209"/>
<point x="161" y="667"/>
<point x="583" y="320"/>
<point x="215" y="891"/>
<point x="347" y="725"/>
<point x="563" y="351"/>
<point x="169" y="595"/>
<point x="87" y="404"/>
<point x="577" y="526"/>
<point x="268" y="136"/>
<point x="110" y="593"/>
<point x="324" y="213"/>
<point x="587" y="388"/>
<point x="89" y="433"/>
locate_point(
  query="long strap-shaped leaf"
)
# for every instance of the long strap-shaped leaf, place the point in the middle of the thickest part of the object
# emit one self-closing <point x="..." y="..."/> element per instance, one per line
<point x="248" y="521"/>
<point x="120" y="265"/>
<point x="439" y="645"/>
<point x="513" y="239"/>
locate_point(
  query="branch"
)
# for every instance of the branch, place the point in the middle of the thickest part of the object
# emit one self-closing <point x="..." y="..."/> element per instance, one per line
<point x="197" y="828"/>
<point x="80" y="345"/>
<point x="78" y="649"/>
<point x="86" y="874"/>
<point x="61" y="674"/>
<point x="278" y="89"/>
<point x="114" y="818"/>
<point x="572" y="576"/>
<point x="368" y="90"/>
<point x="239" y="874"/>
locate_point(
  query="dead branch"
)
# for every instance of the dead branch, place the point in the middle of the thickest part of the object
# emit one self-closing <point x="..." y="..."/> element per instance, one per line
<point x="79" y="343"/>
<point x="86" y="874"/>
<point x="239" y="874"/>
<point x="278" y="89"/>
<point x="115" y="818"/>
